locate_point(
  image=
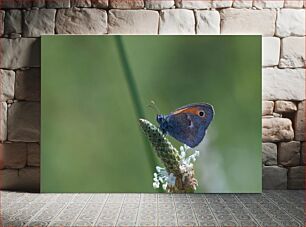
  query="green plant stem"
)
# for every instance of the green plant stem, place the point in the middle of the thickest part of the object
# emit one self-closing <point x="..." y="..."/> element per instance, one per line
<point x="129" y="78"/>
<point x="135" y="95"/>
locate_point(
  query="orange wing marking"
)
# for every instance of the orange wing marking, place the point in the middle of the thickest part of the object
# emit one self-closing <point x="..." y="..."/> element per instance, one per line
<point x="193" y="110"/>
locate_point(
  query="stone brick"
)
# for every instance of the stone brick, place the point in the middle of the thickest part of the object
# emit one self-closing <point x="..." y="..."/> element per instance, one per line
<point x="296" y="177"/>
<point x="38" y="3"/>
<point x="159" y="4"/>
<point x="221" y="3"/>
<point x="303" y="151"/>
<point x="289" y="153"/>
<point x="192" y="4"/>
<point x="15" y="4"/>
<point x="267" y="107"/>
<point x="20" y="53"/>
<point x="30" y="179"/>
<point x="33" y="154"/>
<point x="3" y="121"/>
<point x="261" y="4"/>
<point x="293" y="4"/>
<point x="248" y="21"/>
<point x="13" y="21"/>
<point x="242" y="4"/>
<point x="270" y="51"/>
<point x="299" y="122"/>
<point x="277" y="129"/>
<point x="80" y="3"/>
<point x="285" y="106"/>
<point x="7" y="80"/>
<point x="56" y="4"/>
<point x="26" y="179"/>
<point x="208" y="22"/>
<point x="283" y="84"/>
<point x="126" y="4"/>
<point x="39" y="22"/>
<point x="81" y="21"/>
<point x="139" y="22"/>
<point x="2" y="15"/>
<point x="27" y="86"/>
<point x="99" y="3"/>
<point x="293" y="52"/>
<point x="24" y="122"/>
<point x="290" y="22"/>
<point x="274" y="177"/>
<point x="269" y="154"/>
<point x="14" y="155"/>
<point x="177" y="21"/>
<point x="9" y="179"/>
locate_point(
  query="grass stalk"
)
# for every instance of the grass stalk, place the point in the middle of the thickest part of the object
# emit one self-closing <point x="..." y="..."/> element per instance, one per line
<point x="132" y="86"/>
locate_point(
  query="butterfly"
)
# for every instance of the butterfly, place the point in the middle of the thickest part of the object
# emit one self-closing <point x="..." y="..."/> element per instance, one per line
<point x="187" y="124"/>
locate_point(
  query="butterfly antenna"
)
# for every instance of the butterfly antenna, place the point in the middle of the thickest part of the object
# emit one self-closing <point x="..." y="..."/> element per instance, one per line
<point x="153" y="106"/>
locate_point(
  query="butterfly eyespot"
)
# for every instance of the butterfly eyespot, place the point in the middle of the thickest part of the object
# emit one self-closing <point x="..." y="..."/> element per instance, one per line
<point x="201" y="113"/>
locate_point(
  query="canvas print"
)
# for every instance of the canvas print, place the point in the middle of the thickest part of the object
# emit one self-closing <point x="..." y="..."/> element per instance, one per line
<point x="171" y="114"/>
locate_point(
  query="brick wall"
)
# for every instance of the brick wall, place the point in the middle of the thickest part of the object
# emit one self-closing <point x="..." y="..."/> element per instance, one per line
<point x="281" y="22"/>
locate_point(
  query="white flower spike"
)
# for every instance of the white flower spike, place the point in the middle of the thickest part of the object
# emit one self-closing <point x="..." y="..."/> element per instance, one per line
<point x="186" y="168"/>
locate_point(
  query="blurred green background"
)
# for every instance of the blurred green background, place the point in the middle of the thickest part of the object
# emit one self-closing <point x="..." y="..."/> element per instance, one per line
<point x="90" y="137"/>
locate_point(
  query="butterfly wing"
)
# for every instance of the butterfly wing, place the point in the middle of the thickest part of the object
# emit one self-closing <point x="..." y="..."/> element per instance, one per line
<point x="187" y="126"/>
<point x="186" y="129"/>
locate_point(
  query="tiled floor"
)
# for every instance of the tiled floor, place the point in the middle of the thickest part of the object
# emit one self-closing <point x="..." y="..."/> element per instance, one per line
<point x="271" y="208"/>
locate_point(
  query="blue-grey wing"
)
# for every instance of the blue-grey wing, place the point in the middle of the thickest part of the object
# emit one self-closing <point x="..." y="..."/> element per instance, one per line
<point x="186" y="128"/>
